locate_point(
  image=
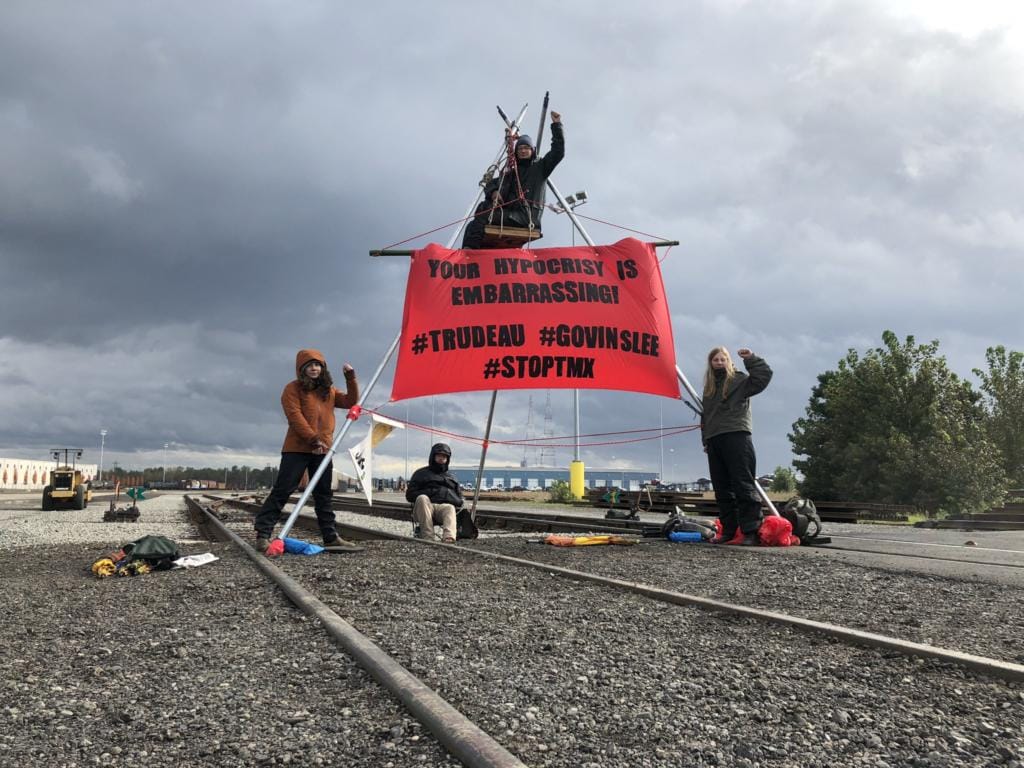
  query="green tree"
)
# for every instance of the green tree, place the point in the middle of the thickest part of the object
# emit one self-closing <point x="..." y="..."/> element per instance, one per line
<point x="783" y="480"/>
<point x="896" y="425"/>
<point x="1003" y="385"/>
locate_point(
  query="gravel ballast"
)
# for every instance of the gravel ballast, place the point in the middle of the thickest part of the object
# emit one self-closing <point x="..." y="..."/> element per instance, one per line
<point x="561" y="673"/>
<point x="209" y="666"/>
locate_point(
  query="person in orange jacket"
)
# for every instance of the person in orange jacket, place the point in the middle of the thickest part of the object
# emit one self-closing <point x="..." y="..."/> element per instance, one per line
<point x="309" y="402"/>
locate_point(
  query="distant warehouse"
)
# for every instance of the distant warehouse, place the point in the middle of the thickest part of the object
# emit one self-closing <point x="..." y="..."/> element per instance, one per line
<point x="539" y="478"/>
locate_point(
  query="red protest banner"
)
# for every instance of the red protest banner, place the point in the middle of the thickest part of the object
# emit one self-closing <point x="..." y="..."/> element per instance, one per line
<point x="569" y="318"/>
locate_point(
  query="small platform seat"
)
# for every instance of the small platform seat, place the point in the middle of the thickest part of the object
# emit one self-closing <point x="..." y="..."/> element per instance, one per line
<point x="508" y="237"/>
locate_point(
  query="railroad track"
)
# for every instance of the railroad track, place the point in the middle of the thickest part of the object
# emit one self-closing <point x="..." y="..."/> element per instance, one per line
<point x="468" y="739"/>
<point x="498" y="521"/>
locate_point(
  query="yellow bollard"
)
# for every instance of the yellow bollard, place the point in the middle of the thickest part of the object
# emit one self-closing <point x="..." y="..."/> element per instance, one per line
<point x="576" y="479"/>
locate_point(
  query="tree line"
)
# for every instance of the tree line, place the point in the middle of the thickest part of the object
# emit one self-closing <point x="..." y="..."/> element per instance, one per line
<point x="237" y="477"/>
<point x="895" y="425"/>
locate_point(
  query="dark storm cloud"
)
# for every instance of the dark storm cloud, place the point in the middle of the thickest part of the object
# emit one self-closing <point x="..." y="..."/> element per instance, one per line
<point x="188" y="194"/>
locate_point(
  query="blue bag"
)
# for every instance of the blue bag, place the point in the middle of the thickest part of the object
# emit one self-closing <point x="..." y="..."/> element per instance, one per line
<point x="299" y="547"/>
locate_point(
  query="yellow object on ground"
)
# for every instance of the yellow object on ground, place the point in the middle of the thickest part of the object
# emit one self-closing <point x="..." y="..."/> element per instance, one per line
<point x="104" y="567"/>
<point x="565" y="540"/>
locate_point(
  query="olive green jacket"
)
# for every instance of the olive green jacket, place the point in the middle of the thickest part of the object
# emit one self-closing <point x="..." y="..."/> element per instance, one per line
<point x="732" y="412"/>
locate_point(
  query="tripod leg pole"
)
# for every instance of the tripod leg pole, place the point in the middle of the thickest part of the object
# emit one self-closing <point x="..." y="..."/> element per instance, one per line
<point x="483" y="454"/>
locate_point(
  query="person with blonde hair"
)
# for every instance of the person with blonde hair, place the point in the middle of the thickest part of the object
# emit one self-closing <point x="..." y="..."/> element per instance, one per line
<point x="726" y="425"/>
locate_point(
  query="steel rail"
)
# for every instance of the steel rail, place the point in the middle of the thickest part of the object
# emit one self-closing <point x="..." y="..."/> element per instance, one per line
<point x="1000" y="669"/>
<point x="459" y="735"/>
<point x="493" y="521"/>
<point x="1004" y="670"/>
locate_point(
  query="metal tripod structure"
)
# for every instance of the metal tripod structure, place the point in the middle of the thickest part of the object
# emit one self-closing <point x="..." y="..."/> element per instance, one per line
<point x="512" y="125"/>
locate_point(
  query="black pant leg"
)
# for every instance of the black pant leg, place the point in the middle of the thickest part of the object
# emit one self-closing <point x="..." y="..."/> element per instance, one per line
<point x="289" y="474"/>
<point x="322" y="495"/>
<point x="473" y="236"/>
<point x="741" y="461"/>
<point x="724" y="496"/>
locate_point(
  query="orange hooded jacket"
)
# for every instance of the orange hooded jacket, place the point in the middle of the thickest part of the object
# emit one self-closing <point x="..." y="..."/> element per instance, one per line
<point x="311" y="418"/>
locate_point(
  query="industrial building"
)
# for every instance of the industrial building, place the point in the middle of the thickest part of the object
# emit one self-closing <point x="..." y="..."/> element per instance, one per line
<point x="29" y="475"/>
<point x="539" y="478"/>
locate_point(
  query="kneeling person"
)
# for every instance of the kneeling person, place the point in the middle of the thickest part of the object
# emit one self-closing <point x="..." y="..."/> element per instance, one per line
<point x="434" y="494"/>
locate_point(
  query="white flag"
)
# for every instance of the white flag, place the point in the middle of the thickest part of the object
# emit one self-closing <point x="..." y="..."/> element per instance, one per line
<point x="362" y="454"/>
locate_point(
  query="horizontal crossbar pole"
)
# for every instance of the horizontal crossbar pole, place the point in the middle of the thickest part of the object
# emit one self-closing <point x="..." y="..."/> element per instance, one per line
<point x="408" y="252"/>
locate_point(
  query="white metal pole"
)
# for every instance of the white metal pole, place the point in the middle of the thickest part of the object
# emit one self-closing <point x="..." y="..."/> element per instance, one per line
<point x="661" y="439"/>
<point x="103" y="439"/>
<point x="575" y="393"/>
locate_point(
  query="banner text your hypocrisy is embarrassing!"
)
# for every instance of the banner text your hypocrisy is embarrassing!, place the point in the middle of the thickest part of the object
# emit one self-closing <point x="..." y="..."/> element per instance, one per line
<point x="578" y="318"/>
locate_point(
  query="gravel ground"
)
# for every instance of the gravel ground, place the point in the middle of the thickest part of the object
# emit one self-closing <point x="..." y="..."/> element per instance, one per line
<point x="570" y="674"/>
<point x="160" y="515"/>
<point x="976" y="617"/>
<point x="967" y="615"/>
<point x="201" y="667"/>
<point x="211" y="667"/>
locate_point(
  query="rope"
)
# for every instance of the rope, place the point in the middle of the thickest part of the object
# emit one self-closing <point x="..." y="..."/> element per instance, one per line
<point x="510" y="160"/>
<point x="662" y="432"/>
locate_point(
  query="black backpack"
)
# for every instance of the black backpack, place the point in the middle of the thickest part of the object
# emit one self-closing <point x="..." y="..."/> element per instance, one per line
<point x="465" y="525"/>
<point x="803" y="516"/>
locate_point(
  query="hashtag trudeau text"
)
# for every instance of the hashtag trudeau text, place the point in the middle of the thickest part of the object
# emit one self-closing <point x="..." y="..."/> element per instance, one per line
<point x="582" y="317"/>
<point x="469" y="337"/>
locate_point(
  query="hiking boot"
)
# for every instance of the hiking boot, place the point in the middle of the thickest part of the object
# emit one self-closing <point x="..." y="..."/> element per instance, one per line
<point x="261" y="544"/>
<point x="724" y="538"/>
<point x="337" y="541"/>
<point x="751" y="540"/>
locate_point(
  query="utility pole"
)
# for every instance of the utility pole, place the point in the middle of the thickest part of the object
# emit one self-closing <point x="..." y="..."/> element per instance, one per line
<point x="165" y="462"/>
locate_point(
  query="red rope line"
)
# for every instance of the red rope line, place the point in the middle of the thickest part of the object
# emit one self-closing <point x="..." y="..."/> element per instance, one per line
<point x="610" y="224"/>
<point x="526" y="203"/>
<point x="662" y="432"/>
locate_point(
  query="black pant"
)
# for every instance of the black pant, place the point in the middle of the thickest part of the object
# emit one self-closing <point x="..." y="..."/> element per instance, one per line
<point x="733" y="467"/>
<point x="514" y="216"/>
<point x="289" y="475"/>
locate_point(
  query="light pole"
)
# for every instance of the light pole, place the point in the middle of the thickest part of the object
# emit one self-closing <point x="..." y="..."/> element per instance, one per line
<point x="103" y="439"/>
<point x="165" y="462"/>
<point x="661" y="440"/>
<point x="574" y="202"/>
<point x="569" y="205"/>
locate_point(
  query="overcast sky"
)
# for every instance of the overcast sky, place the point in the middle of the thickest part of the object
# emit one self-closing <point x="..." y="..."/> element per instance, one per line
<point x="189" y="191"/>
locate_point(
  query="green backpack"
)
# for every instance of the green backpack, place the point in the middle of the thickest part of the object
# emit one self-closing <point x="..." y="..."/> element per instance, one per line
<point x="158" y="552"/>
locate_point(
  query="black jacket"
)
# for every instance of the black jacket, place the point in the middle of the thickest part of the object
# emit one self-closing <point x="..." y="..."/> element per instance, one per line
<point x="533" y="176"/>
<point x="439" y="487"/>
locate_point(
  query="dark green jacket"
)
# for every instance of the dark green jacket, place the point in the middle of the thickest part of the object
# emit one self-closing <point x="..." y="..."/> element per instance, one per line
<point x="732" y="414"/>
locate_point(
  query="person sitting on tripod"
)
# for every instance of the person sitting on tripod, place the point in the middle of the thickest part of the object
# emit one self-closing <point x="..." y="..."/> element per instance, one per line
<point x="516" y="197"/>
